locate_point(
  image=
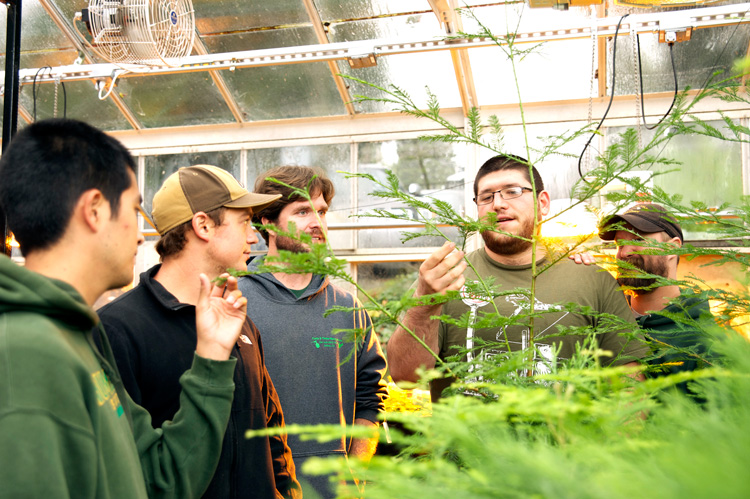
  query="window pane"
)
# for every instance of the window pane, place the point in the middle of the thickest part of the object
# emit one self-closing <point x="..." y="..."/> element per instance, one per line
<point x="426" y="169"/>
<point x="412" y="73"/>
<point x="174" y="100"/>
<point x="710" y="171"/>
<point x="221" y="16"/>
<point x="281" y="91"/>
<point x="351" y="9"/>
<point x="536" y="73"/>
<point x="76" y="100"/>
<point x="708" y="51"/>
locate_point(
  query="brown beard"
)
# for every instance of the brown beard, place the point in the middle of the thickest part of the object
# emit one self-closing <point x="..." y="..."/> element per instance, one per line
<point x="502" y="244"/>
<point x="642" y="285"/>
<point x="289" y="244"/>
<point x="293" y="245"/>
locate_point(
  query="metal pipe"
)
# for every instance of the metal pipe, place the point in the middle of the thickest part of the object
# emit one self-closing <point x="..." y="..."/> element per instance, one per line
<point x="10" y="102"/>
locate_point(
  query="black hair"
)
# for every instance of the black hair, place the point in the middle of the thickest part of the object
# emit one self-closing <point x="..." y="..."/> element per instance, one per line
<point x="45" y="170"/>
<point x="509" y="162"/>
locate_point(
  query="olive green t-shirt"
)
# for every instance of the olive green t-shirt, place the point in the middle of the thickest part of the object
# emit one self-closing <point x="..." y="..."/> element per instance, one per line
<point x="563" y="283"/>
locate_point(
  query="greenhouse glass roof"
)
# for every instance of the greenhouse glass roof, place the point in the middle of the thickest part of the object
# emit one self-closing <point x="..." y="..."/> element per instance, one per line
<point x="294" y="59"/>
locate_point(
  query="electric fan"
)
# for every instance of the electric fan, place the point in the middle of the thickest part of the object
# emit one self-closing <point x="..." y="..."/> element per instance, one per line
<point x="150" y="32"/>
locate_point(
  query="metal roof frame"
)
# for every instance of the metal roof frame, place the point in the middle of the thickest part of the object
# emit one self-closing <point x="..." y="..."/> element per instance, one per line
<point x="698" y="18"/>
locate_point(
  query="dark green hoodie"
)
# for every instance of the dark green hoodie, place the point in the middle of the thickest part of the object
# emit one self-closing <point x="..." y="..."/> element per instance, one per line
<point x="685" y="333"/>
<point x="67" y="426"/>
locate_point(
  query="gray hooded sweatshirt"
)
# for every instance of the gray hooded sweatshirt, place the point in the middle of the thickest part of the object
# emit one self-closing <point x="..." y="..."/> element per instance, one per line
<point x="304" y="352"/>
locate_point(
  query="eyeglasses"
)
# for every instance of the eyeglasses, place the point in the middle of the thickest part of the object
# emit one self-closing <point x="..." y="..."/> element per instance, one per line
<point x="507" y="193"/>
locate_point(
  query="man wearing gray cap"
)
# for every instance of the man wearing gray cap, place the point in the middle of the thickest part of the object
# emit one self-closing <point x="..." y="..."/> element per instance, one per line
<point x="204" y="218"/>
<point x="652" y="301"/>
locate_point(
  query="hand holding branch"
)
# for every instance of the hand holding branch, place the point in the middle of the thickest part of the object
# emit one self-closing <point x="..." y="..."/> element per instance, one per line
<point x="442" y="271"/>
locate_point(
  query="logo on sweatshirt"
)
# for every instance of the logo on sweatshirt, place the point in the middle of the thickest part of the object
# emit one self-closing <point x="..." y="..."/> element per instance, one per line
<point x="106" y="393"/>
<point x="326" y="342"/>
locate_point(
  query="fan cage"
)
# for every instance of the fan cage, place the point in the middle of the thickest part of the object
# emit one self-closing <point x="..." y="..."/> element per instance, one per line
<point x="150" y="32"/>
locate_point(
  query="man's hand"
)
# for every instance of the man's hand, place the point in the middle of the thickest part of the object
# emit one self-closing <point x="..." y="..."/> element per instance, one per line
<point x="586" y="258"/>
<point x="219" y="315"/>
<point x="442" y="271"/>
<point x="364" y="448"/>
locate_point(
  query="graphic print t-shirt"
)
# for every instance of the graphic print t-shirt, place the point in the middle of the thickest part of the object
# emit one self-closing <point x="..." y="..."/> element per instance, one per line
<point x="564" y="282"/>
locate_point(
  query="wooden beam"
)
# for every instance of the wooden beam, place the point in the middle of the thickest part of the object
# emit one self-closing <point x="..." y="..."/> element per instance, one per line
<point x="322" y="36"/>
<point x="220" y="83"/>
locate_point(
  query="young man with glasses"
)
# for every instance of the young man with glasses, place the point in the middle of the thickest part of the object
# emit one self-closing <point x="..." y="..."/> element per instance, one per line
<point x="503" y="186"/>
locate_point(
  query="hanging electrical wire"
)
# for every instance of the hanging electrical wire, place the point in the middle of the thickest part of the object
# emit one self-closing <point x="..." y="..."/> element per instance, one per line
<point x="614" y="52"/>
<point x="33" y="88"/>
<point x="640" y="80"/>
<point x="65" y="94"/>
<point x="611" y="97"/>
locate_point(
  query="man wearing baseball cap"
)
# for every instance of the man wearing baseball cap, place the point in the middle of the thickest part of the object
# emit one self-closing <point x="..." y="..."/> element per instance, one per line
<point x="203" y="216"/>
<point x="653" y="300"/>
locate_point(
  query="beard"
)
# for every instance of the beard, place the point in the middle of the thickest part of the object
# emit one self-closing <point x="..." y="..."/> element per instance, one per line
<point x="502" y="244"/>
<point x="293" y="245"/>
<point x="642" y="285"/>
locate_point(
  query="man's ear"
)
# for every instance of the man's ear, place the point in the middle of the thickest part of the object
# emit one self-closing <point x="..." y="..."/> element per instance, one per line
<point x="271" y="233"/>
<point x="544" y="203"/>
<point x="94" y="209"/>
<point x="202" y="226"/>
<point x="677" y="242"/>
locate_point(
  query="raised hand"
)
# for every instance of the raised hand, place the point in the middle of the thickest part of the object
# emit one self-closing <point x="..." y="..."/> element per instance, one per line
<point x="585" y="258"/>
<point x="219" y="314"/>
<point x="441" y="271"/>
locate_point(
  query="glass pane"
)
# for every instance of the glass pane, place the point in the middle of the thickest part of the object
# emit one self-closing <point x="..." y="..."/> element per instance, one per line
<point x="287" y="91"/>
<point x="38" y="31"/>
<point x="413" y="27"/>
<point x="68" y="8"/>
<point x="708" y="50"/>
<point x="82" y="104"/>
<point x="259" y="40"/>
<point x="538" y="73"/>
<point x="52" y="58"/>
<point x="358" y="9"/>
<point x="710" y="171"/>
<point x="216" y="16"/>
<point x="332" y="159"/>
<point x="426" y="169"/>
<point x="284" y="91"/>
<point x="520" y="18"/>
<point x="413" y="73"/>
<point x="158" y="168"/>
<point x="174" y="100"/>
